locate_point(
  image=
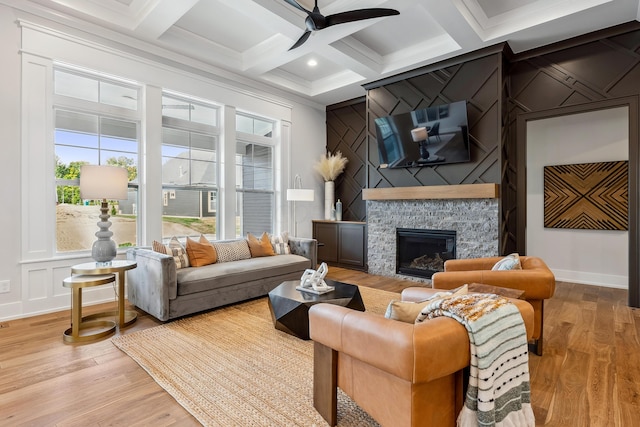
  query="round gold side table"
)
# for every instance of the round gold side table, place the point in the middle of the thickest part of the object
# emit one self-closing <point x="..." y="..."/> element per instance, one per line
<point x="125" y="317"/>
<point x="98" y="328"/>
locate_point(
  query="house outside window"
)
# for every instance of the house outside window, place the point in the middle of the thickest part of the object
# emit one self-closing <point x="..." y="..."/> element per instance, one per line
<point x="190" y="167"/>
<point x="96" y="121"/>
<point x="255" y="195"/>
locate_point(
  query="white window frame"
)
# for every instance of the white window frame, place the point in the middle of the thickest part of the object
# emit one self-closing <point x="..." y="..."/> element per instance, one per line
<point x="270" y="142"/>
<point x="204" y="129"/>
<point x="76" y="105"/>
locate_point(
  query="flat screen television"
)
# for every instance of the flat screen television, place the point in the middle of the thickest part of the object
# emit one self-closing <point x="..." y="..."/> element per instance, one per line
<point x="428" y="137"/>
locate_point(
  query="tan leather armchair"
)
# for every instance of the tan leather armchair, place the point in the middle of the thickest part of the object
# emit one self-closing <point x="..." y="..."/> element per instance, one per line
<point x="402" y="374"/>
<point x="535" y="279"/>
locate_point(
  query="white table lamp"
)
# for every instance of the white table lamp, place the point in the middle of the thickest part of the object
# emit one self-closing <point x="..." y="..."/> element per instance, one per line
<point x="106" y="183"/>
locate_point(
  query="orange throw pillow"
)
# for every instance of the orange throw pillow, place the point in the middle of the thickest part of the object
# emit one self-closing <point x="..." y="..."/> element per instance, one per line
<point x="260" y="247"/>
<point x="201" y="253"/>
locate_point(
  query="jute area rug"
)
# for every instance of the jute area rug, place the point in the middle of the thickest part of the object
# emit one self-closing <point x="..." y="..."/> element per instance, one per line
<point x="231" y="367"/>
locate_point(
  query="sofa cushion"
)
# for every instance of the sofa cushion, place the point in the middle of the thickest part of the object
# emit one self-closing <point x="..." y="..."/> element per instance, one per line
<point x="405" y="311"/>
<point x="175" y="249"/>
<point x="280" y="243"/>
<point x="200" y="253"/>
<point x="510" y="262"/>
<point x="408" y="311"/>
<point x="232" y="251"/>
<point x="260" y="247"/>
<point x="219" y="275"/>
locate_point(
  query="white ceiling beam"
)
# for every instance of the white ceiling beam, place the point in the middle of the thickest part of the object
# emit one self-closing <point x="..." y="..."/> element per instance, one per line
<point x="318" y="40"/>
<point x="202" y="48"/>
<point x="355" y="55"/>
<point x="157" y="17"/>
<point x="277" y="16"/>
<point x="454" y="23"/>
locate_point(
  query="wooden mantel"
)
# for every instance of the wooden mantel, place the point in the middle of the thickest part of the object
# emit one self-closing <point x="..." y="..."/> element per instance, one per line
<point x="462" y="191"/>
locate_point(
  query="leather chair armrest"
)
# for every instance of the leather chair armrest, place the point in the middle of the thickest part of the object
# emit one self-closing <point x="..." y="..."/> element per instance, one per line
<point x="417" y="294"/>
<point x="526" y="309"/>
<point x="416" y="353"/>
<point x="537" y="284"/>
<point x="486" y="263"/>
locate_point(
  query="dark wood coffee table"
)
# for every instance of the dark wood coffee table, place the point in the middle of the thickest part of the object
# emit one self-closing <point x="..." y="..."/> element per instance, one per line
<point x="290" y="307"/>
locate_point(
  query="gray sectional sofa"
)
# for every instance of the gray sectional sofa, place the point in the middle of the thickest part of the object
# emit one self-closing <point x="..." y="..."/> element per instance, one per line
<point x="163" y="291"/>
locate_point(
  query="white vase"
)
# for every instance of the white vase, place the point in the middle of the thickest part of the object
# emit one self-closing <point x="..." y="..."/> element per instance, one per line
<point x="329" y="191"/>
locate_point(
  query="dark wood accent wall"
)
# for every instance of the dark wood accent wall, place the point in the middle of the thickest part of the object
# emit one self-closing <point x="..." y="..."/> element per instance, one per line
<point x="500" y="88"/>
<point x="478" y="81"/>
<point x="587" y="73"/>
<point x="346" y="132"/>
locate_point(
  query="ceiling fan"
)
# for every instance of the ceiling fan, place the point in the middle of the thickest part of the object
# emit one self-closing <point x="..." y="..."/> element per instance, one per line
<point x="316" y="21"/>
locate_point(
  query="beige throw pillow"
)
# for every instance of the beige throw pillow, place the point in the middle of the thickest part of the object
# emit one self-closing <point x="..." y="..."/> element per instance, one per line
<point x="405" y="311"/>
<point x="408" y="311"/>
<point x="510" y="262"/>
<point x="175" y="249"/>
<point x="280" y="243"/>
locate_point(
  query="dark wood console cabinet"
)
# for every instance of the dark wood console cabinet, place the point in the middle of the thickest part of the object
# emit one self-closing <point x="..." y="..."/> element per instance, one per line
<point x="341" y="243"/>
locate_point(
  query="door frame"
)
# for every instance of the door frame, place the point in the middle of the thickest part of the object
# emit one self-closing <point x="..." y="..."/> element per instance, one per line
<point x="631" y="102"/>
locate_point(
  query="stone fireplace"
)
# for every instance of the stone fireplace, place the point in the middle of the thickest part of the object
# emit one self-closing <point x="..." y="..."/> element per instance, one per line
<point x="471" y="211"/>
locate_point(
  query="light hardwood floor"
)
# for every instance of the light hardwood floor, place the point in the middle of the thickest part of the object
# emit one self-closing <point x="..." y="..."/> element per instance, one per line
<point x="589" y="374"/>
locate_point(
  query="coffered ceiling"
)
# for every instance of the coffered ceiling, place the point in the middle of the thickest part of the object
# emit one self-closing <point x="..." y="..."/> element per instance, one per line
<point x="252" y="37"/>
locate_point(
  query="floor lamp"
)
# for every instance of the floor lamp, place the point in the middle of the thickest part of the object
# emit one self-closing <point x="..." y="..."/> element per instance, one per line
<point x="298" y="194"/>
<point x="106" y="183"/>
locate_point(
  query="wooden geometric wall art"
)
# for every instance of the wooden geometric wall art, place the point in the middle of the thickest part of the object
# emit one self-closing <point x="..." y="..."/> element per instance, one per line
<point x="588" y="196"/>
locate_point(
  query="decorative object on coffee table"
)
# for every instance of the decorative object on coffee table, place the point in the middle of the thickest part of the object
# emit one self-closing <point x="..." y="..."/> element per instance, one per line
<point x="313" y="281"/>
<point x="290" y="308"/>
<point x="330" y="167"/>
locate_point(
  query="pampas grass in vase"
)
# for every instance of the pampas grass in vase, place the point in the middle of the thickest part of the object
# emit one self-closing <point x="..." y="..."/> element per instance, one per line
<point x="329" y="167"/>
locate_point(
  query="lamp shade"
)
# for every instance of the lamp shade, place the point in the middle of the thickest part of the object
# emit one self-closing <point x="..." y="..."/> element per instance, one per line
<point x="103" y="182"/>
<point x="300" y="195"/>
<point x="419" y="134"/>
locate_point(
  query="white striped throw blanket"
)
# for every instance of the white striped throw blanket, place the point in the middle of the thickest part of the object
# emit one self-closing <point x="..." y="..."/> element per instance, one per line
<point x="499" y="392"/>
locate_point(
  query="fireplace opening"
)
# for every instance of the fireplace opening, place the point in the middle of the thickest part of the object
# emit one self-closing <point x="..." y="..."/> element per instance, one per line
<point x="421" y="253"/>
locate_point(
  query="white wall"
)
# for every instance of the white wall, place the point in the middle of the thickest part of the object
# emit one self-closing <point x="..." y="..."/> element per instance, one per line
<point x="598" y="257"/>
<point x="29" y="45"/>
<point x="10" y="213"/>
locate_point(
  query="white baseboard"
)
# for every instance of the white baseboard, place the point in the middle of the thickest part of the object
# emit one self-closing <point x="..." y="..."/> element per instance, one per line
<point x="596" y="279"/>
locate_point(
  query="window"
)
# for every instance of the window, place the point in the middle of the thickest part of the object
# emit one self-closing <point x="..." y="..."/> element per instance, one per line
<point x="253" y="125"/>
<point x="96" y="122"/>
<point x="189" y="167"/>
<point x="255" y="196"/>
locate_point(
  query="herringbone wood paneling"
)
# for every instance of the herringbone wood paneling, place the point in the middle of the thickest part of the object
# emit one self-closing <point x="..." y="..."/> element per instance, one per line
<point x="592" y="196"/>
<point x="478" y="82"/>
<point x="602" y="69"/>
<point x="346" y="132"/>
<point x="599" y="67"/>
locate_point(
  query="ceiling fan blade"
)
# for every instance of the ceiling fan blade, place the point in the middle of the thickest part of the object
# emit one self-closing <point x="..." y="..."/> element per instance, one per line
<point x="359" y="15"/>
<point x="301" y="40"/>
<point x="295" y="4"/>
